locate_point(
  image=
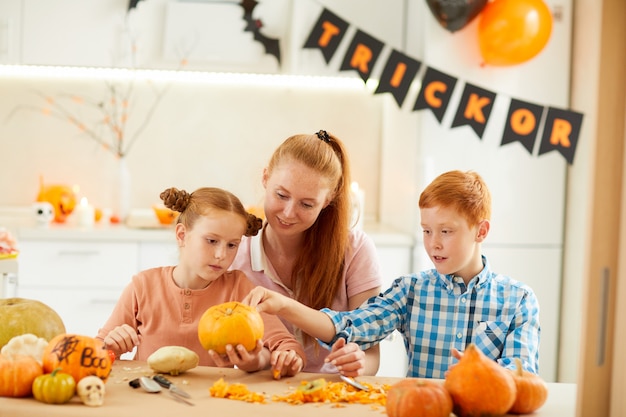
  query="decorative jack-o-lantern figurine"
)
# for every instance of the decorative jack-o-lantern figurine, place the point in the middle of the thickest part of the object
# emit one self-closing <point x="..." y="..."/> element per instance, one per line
<point x="62" y="198"/>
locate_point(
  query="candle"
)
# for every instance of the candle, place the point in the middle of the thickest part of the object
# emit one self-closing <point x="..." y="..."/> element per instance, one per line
<point x="86" y="213"/>
<point x="358" y="206"/>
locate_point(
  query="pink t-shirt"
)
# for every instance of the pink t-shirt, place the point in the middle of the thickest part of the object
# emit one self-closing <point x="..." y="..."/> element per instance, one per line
<point x="166" y="315"/>
<point x="361" y="273"/>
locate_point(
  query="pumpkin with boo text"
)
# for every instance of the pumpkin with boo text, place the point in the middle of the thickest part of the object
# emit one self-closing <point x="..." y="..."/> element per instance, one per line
<point x="77" y="355"/>
<point x="230" y="323"/>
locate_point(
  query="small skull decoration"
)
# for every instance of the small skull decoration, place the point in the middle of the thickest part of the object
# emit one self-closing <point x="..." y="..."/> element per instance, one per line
<point x="44" y="213"/>
<point x="91" y="391"/>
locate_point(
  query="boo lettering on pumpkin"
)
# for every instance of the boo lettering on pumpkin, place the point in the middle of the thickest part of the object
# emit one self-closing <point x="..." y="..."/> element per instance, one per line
<point x="88" y="360"/>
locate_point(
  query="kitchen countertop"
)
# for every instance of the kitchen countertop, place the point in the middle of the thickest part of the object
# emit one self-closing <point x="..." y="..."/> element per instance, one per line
<point x="382" y="235"/>
<point x="122" y="400"/>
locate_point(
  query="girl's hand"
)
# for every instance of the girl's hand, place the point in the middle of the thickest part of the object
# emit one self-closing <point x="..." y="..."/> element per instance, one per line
<point x="238" y="356"/>
<point x="347" y="357"/>
<point x="122" y="339"/>
<point x="266" y="301"/>
<point x="285" y="363"/>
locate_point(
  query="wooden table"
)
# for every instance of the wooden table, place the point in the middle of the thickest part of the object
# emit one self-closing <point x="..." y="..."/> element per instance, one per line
<point x="122" y="400"/>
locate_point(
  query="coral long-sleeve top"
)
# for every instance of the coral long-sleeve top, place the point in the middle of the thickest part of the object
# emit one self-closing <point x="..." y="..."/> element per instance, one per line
<point x="165" y="315"/>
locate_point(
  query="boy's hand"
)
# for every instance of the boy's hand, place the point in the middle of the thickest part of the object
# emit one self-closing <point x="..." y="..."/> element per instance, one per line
<point x="458" y="355"/>
<point x="265" y="301"/>
<point x="347" y="357"/>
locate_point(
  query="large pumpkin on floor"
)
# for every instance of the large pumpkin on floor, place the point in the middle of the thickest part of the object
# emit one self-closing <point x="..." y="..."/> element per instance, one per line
<point x="17" y="375"/>
<point x="479" y="386"/>
<point x="77" y="355"/>
<point x="230" y="323"/>
<point x="416" y="397"/>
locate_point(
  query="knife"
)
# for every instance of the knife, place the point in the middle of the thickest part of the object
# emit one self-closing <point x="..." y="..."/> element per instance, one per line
<point x="166" y="383"/>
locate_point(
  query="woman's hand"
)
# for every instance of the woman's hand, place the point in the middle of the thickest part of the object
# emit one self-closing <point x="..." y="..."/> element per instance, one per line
<point x="347" y="357"/>
<point x="238" y="356"/>
<point x="122" y="339"/>
<point x="265" y="301"/>
<point x="285" y="363"/>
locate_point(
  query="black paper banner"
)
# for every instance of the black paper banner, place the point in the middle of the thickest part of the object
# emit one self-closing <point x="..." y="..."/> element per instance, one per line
<point x="435" y="93"/>
<point x="327" y="34"/>
<point x="362" y="54"/>
<point x="398" y="75"/>
<point x="561" y="132"/>
<point x="474" y="108"/>
<point x="522" y="124"/>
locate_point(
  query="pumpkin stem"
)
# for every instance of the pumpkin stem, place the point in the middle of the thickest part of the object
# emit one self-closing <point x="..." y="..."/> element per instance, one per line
<point x="520" y="369"/>
<point x="53" y="373"/>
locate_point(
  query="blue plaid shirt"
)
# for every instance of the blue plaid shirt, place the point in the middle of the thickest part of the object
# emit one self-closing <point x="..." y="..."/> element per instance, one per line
<point x="435" y="313"/>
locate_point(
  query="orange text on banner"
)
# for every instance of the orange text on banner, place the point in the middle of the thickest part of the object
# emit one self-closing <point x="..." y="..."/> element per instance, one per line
<point x="523" y="122"/>
<point x="561" y="130"/>
<point x="474" y="108"/>
<point x="430" y="93"/>
<point x="330" y="31"/>
<point x="398" y="75"/>
<point x="361" y="58"/>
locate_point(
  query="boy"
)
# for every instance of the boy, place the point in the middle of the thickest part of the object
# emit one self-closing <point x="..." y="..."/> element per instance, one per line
<point x="442" y="310"/>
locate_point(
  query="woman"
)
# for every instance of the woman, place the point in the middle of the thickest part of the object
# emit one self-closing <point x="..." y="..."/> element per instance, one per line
<point x="306" y="249"/>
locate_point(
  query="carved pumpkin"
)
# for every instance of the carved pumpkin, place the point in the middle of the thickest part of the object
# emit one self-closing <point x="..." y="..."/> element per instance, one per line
<point x="62" y="198"/>
<point x="230" y="323"/>
<point x="17" y="375"/>
<point x="479" y="386"/>
<point x="418" y="398"/>
<point x="78" y="356"/>
<point x="532" y="391"/>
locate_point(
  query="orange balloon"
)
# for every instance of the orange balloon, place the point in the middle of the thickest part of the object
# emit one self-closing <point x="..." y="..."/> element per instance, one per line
<point x="513" y="31"/>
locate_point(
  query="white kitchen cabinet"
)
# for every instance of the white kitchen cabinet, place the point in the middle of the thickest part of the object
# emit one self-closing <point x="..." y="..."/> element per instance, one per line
<point x="153" y="254"/>
<point x="80" y="274"/>
<point x="80" y="280"/>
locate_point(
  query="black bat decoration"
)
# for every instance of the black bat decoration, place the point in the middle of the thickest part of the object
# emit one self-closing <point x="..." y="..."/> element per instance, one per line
<point x="271" y="45"/>
<point x="132" y="4"/>
<point x="253" y="25"/>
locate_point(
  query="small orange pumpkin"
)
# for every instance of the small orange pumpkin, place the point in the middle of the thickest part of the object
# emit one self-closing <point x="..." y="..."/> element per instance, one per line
<point x="479" y="386"/>
<point x="532" y="390"/>
<point x="230" y="323"/>
<point x="62" y="198"/>
<point x="78" y="356"/>
<point x="17" y="375"/>
<point x="417" y="397"/>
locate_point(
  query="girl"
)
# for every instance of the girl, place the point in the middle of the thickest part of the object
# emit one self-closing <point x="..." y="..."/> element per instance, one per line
<point x="162" y="306"/>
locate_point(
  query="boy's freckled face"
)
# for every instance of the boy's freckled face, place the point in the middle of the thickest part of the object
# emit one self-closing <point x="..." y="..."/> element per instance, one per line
<point x="450" y="243"/>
